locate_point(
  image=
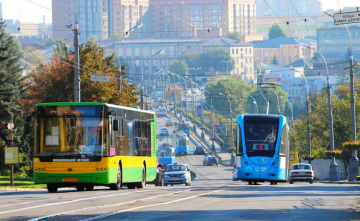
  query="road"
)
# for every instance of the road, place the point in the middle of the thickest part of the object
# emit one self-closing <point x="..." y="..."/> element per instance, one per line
<point x="212" y="196"/>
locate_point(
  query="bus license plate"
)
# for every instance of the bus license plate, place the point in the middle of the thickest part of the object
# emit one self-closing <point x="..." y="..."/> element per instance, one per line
<point x="70" y="179"/>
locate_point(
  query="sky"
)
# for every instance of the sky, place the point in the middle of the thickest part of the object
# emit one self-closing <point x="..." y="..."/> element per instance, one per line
<point x="25" y="11"/>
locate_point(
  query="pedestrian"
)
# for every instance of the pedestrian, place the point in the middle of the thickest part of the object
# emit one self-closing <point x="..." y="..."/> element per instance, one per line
<point x="221" y="145"/>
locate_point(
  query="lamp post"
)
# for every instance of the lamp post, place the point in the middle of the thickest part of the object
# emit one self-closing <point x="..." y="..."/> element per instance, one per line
<point x="308" y="113"/>
<point x="227" y="67"/>
<point x="354" y="161"/>
<point x="334" y="176"/>
<point x="138" y="25"/>
<point x="158" y="70"/>
<point x="292" y="111"/>
<point x="195" y="69"/>
<point x="161" y="51"/>
<point x="254" y="102"/>
<point x="231" y="119"/>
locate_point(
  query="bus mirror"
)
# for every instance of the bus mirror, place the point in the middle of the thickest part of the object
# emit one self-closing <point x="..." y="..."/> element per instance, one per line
<point x="116" y="125"/>
<point x="26" y="128"/>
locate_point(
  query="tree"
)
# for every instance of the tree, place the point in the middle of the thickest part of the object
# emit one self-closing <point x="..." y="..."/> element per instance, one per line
<point x="49" y="42"/>
<point x="179" y="67"/>
<point x="235" y="36"/>
<point x="55" y="81"/>
<point x="60" y="48"/>
<point x="275" y="61"/>
<point x="11" y="91"/>
<point x="93" y="38"/>
<point x="18" y="48"/>
<point x="276" y="31"/>
<point x="315" y="57"/>
<point x="33" y="56"/>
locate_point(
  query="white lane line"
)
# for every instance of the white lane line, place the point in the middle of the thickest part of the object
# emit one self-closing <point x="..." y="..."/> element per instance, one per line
<point x="141" y="207"/>
<point x="70" y="201"/>
<point x="36" y="201"/>
<point x="96" y="207"/>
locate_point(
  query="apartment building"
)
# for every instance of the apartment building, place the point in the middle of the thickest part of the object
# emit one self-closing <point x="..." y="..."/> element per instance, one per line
<point x="178" y="17"/>
<point x="288" y="8"/>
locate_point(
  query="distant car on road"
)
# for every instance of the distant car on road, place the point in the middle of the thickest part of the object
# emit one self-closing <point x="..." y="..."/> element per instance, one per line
<point x="164" y="131"/>
<point x="161" y="112"/>
<point x="210" y="160"/>
<point x="169" y="123"/>
<point x="199" y="150"/>
<point x="301" y="172"/>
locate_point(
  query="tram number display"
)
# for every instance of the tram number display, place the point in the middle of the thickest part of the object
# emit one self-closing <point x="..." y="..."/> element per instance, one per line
<point x="70" y="179"/>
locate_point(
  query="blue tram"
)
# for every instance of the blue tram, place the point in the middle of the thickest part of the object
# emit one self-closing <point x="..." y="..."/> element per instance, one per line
<point x="166" y="156"/>
<point x="181" y="142"/>
<point x="185" y="127"/>
<point x="262" y="149"/>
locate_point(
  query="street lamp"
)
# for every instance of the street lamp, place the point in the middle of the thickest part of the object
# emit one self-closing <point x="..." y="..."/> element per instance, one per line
<point x="227" y="67"/>
<point x="292" y="111"/>
<point x="254" y="102"/>
<point x="161" y="51"/>
<point x="158" y="70"/>
<point x="231" y="119"/>
<point x="138" y="25"/>
<point x="354" y="161"/>
<point x="334" y="176"/>
<point x="195" y="69"/>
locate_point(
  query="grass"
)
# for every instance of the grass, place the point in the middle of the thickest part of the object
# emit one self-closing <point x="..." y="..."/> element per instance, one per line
<point x="19" y="182"/>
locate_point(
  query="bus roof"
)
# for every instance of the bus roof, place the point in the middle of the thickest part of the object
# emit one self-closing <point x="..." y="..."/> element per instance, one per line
<point x="92" y="104"/>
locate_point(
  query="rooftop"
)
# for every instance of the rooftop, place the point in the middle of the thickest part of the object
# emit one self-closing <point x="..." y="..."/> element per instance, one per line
<point x="276" y="42"/>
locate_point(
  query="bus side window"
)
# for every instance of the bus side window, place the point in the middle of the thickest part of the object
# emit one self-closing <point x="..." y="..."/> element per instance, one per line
<point x="283" y="149"/>
<point x="239" y="147"/>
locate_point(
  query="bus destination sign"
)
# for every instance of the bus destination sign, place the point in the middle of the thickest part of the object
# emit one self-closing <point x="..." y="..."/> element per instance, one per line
<point x="346" y="18"/>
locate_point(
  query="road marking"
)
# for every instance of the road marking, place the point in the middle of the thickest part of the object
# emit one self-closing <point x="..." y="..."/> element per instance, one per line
<point x="71" y="201"/>
<point x="146" y="206"/>
<point x="116" y="204"/>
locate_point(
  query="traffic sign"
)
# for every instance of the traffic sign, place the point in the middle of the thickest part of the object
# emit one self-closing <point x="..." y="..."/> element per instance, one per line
<point x="347" y="18"/>
<point x="99" y="78"/>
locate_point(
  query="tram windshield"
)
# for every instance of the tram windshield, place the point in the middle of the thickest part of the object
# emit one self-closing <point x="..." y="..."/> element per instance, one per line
<point x="184" y="126"/>
<point x="182" y="143"/>
<point x="70" y="130"/>
<point x="260" y="139"/>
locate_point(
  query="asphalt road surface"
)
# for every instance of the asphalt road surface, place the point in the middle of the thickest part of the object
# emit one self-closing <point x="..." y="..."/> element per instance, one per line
<point x="212" y="196"/>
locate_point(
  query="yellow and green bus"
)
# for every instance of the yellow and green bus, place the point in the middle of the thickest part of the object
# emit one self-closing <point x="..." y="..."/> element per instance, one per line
<point x="84" y="145"/>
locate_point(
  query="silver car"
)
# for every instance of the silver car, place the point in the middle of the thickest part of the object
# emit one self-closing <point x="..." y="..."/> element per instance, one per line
<point x="301" y="172"/>
<point x="176" y="174"/>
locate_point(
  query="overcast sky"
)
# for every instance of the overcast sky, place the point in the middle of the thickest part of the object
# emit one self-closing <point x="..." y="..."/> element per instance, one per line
<point x="25" y="11"/>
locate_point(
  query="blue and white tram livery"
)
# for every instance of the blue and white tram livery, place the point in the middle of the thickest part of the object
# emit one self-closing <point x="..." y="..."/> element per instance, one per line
<point x="166" y="156"/>
<point x="262" y="149"/>
<point x="181" y="142"/>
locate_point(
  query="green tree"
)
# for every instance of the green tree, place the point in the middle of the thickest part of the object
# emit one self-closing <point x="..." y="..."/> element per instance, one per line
<point x="115" y="36"/>
<point x="179" y="67"/>
<point x="275" y="61"/>
<point x="49" y="42"/>
<point x="33" y="56"/>
<point x="93" y="38"/>
<point x="60" y="48"/>
<point x="276" y="31"/>
<point x="235" y="36"/>
<point x="55" y="81"/>
<point x="11" y="91"/>
<point x="18" y="48"/>
<point x="315" y="56"/>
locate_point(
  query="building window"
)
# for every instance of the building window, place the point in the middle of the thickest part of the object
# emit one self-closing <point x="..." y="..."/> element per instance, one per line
<point x="245" y="50"/>
<point x="237" y="51"/>
<point x="233" y="51"/>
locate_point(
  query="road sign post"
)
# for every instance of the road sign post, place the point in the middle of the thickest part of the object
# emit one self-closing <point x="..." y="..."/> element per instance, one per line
<point x="11" y="158"/>
<point x="347" y="18"/>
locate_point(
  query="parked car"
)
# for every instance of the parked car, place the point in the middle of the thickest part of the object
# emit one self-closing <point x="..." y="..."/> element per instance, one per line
<point x="164" y="131"/>
<point x="210" y="160"/>
<point x="176" y="174"/>
<point x="301" y="172"/>
<point x="199" y="150"/>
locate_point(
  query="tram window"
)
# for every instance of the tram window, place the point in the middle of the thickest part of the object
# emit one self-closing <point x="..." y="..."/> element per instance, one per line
<point x="239" y="147"/>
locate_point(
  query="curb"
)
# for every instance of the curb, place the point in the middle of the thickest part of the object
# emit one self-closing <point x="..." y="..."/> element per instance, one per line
<point x="339" y="182"/>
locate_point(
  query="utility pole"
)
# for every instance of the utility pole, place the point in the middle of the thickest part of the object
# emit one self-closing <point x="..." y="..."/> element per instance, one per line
<point x="142" y="98"/>
<point x="77" y="60"/>
<point x="212" y="126"/>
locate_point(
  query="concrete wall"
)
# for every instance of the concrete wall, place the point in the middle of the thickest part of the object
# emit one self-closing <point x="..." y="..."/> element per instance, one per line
<point x="322" y="168"/>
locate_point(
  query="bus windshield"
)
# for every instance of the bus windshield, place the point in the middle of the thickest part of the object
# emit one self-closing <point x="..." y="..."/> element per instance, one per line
<point x="70" y="130"/>
<point x="260" y="139"/>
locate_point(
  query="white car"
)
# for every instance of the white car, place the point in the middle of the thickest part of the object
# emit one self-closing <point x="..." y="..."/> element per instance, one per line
<point x="301" y="172"/>
<point x="176" y="174"/>
<point x="164" y="131"/>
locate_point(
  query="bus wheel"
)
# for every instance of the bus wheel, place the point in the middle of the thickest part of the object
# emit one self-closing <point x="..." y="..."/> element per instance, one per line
<point x="118" y="183"/>
<point x="142" y="184"/>
<point x="80" y="188"/>
<point x="89" y="187"/>
<point x="250" y="183"/>
<point x="52" y="188"/>
<point x="130" y="186"/>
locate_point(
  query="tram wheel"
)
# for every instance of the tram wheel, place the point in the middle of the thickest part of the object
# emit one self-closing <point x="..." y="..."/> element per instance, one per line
<point x="250" y="183"/>
<point x="52" y="188"/>
<point x="130" y="186"/>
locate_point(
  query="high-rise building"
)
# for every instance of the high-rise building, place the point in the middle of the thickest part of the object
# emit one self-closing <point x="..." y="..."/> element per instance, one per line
<point x="99" y="18"/>
<point x="178" y="17"/>
<point x="287" y="7"/>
